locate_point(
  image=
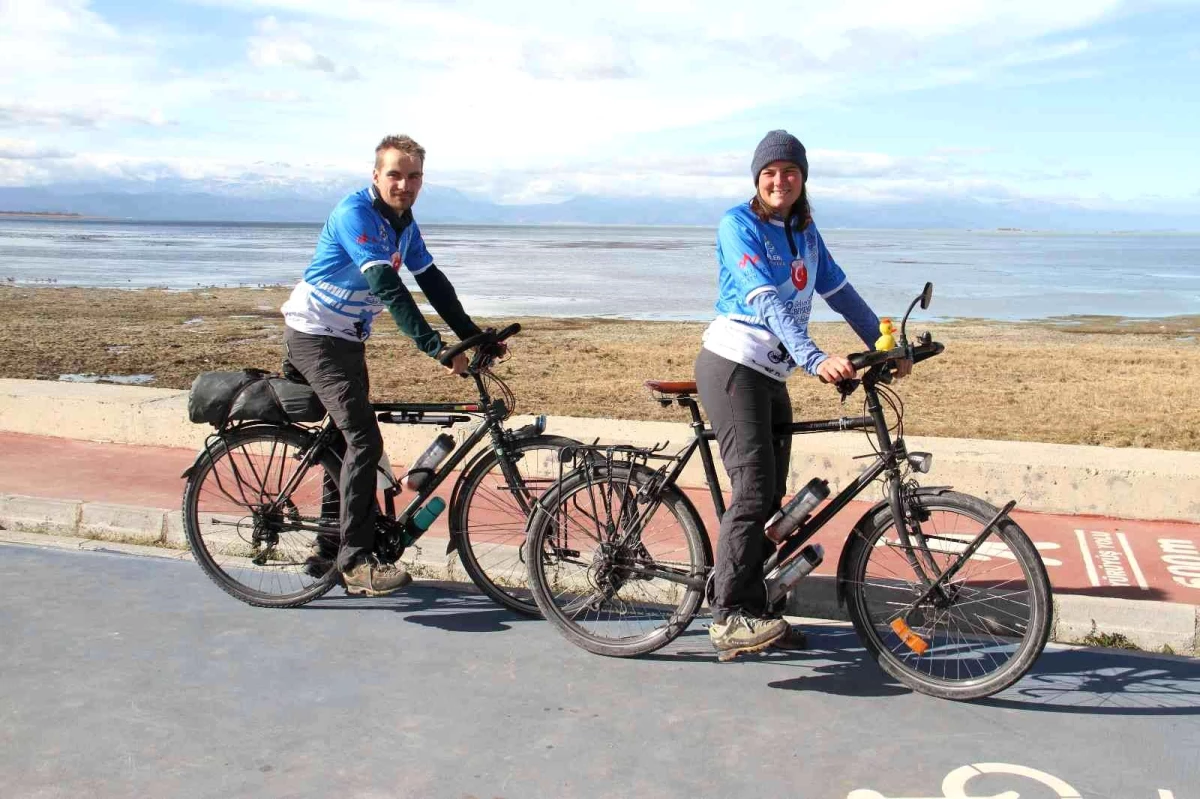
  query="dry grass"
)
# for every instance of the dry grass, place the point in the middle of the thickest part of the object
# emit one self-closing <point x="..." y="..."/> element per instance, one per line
<point x="1115" y="382"/>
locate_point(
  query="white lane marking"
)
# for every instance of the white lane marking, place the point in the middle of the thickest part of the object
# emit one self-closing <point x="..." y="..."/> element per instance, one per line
<point x="1133" y="564"/>
<point x="1163" y="793"/>
<point x="1087" y="558"/>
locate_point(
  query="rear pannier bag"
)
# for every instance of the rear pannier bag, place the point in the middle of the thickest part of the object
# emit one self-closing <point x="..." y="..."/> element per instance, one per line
<point x="220" y="397"/>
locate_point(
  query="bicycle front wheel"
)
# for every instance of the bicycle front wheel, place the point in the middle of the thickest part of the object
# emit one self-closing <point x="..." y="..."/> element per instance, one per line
<point x="257" y="545"/>
<point x="982" y="630"/>
<point x="489" y="515"/>
<point x="622" y="562"/>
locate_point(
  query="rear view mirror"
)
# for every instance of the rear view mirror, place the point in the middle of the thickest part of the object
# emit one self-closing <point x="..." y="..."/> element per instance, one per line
<point x="926" y="296"/>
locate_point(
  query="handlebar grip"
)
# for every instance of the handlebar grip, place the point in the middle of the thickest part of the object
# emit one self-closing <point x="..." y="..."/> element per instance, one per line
<point x="509" y="331"/>
<point x="484" y="337"/>
<point x="448" y="355"/>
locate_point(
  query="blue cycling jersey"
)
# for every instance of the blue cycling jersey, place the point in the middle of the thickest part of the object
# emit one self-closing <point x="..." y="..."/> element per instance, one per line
<point x="754" y="257"/>
<point x="333" y="298"/>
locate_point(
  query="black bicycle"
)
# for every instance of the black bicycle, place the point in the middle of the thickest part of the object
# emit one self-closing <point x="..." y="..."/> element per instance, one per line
<point x="260" y="507"/>
<point x="947" y="592"/>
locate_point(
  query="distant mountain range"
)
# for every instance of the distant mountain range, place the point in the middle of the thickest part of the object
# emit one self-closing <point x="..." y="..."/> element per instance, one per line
<point x="440" y="204"/>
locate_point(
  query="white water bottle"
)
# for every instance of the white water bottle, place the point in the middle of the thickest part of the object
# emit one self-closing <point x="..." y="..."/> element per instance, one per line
<point x="783" y="579"/>
<point x="427" y="464"/>
<point x="798" y="508"/>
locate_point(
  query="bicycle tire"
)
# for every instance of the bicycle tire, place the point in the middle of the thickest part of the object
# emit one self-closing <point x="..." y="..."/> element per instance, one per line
<point x="220" y="494"/>
<point x="489" y="517"/>
<point x="994" y="620"/>
<point x="564" y="596"/>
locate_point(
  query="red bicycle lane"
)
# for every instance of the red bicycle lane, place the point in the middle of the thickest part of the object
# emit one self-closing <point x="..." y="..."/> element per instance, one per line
<point x="1092" y="555"/>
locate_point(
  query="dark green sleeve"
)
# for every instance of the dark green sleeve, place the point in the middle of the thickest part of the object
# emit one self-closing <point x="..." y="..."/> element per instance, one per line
<point x="444" y="300"/>
<point x="387" y="286"/>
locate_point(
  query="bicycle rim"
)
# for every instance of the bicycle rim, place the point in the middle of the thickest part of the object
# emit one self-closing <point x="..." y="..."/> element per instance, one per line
<point x="491" y="515"/>
<point x="279" y="558"/>
<point x="599" y="535"/>
<point x="978" y="636"/>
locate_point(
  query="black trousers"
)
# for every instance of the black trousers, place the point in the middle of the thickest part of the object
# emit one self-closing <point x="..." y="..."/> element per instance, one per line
<point x="337" y="371"/>
<point x="743" y="406"/>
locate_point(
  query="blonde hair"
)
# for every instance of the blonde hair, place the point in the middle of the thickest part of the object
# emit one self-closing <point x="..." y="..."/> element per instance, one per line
<point x="404" y="144"/>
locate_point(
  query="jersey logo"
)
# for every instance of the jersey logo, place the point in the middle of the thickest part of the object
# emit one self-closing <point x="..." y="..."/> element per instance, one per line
<point x="747" y="258"/>
<point x="799" y="274"/>
<point x="397" y="262"/>
<point x="363" y="238"/>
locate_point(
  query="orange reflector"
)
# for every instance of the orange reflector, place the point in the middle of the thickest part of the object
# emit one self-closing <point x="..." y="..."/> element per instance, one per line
<point x="913" y="641"/>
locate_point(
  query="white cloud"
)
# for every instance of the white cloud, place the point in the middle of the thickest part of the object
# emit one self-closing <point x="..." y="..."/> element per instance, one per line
<point x="589" y="59"/>
<point x="279" y="45"/>
<point x="25" y="150"/>
<point x="521" y="101"/>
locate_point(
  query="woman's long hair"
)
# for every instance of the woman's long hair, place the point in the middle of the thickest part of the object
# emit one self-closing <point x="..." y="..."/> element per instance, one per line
<point x="800" y="211"/>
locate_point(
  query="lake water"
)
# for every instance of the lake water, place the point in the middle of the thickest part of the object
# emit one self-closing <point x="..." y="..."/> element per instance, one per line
<point x="640" y="272"/>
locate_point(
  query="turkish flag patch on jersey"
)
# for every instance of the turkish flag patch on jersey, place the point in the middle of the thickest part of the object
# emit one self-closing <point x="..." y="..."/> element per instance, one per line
<point x="396" y="261"/>
<point x="799" y="274"/>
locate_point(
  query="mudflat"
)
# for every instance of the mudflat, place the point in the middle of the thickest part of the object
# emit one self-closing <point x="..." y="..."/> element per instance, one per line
<point x="1078" y="380"/>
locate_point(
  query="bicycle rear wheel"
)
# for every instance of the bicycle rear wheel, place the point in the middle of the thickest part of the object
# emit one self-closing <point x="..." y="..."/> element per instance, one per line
<point x="490" y="512"/>
<point x="608" y="540"/>
<point x="982" y="632"/>
<point x="262" y="557"/>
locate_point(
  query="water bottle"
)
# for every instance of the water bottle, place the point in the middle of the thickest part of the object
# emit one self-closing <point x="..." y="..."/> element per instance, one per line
<point x="788" y="518"/>
<point x="783" y="578"/>
<point x="422" y="519"/>
<point x="427" y="464"/>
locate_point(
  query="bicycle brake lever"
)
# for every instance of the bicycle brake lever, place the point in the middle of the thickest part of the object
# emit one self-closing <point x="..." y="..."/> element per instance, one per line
<point x="848" y="387"/>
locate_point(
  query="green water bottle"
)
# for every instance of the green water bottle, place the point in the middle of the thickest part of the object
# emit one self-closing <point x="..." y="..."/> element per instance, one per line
<point x="422" y="519"/>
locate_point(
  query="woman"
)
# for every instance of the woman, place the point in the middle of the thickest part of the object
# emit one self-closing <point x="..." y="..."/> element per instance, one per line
<point x="771" y="261"/>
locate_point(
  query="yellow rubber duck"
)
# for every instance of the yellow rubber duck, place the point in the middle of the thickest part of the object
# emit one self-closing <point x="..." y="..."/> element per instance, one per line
<point x="887" y="341"/>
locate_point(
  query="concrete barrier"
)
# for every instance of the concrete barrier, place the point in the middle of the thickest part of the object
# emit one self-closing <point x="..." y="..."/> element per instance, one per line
<point x="1052" y="478"/>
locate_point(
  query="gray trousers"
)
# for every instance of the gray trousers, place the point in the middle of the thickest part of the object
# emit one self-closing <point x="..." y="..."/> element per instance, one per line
<point x="337" y="370"/>
<point x="743" y="406"/>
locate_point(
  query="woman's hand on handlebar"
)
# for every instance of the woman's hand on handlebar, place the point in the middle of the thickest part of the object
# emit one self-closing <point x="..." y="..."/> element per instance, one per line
<point x="834" y="369"/>
<point x="903" y="368"/>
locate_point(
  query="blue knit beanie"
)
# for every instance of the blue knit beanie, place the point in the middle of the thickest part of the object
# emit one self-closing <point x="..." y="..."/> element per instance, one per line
<point x="779" y="145"/>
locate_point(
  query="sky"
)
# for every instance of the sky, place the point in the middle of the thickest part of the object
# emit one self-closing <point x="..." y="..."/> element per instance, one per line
<point x="1094" y="103"/>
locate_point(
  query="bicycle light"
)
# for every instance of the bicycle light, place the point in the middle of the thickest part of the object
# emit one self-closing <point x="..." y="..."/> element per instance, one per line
<point x="920" y="461"/>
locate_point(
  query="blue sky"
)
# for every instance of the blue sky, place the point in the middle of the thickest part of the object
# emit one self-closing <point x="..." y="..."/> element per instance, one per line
<point x="1091" y="103"/>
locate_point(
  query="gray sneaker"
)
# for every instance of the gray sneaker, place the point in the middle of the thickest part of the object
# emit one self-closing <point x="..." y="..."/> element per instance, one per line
<point x="368" y="578"/>
<point x="742" y="634"/>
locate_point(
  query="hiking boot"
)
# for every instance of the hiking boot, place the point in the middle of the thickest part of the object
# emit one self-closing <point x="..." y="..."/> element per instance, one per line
<point x="368" y="578"/>
<point x="742" y="634"/>
<point x="322" y="554"/>
<point x="794" y="640"/>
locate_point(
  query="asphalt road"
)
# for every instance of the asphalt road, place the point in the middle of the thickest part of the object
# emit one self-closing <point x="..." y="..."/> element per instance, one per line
<point x="129" y="676"/>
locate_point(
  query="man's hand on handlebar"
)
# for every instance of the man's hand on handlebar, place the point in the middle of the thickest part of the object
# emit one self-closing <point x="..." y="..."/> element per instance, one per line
<point x="458" y="366"/>
<point x="903" y="368"/>
<point x="835" y="368"/>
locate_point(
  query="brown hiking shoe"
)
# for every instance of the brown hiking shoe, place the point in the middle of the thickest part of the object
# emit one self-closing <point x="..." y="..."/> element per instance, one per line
<point x="794" y="640"/>
<point x="368" y="578"/>
<point x="742" y="634"/>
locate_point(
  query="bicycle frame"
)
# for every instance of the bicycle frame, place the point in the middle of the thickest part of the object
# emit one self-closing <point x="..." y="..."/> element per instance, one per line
<point x="442" y="414"/>
<point x="888" y="460"/>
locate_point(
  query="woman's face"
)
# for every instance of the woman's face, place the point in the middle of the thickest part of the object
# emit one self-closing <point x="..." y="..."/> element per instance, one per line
<point x="779" y="186"/>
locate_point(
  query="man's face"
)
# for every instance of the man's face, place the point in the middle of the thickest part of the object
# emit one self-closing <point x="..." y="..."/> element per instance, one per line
<point x="397" y="178"/>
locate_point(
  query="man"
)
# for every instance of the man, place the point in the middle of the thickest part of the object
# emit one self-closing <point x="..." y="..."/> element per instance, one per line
<point x="353" y="276"/>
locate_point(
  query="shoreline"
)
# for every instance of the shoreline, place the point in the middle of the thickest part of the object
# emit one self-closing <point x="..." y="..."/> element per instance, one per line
<point x="1111" y="381"/>
<point x="1182" y="324"/>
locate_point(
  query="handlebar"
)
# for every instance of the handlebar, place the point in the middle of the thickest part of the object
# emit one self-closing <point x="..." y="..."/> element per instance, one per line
<point x="921" y="351"/>
<point x="480" y="339"/>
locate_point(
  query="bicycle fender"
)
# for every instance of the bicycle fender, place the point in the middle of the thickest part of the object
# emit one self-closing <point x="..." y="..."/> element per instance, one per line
<point x="864" y="525"/>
